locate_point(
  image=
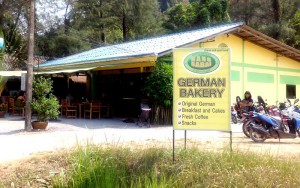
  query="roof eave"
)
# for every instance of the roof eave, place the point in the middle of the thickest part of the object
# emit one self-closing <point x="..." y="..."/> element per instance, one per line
<point x="265" y="41"/>
<point x="200" y="40"/>
<point x="102" y="60"/>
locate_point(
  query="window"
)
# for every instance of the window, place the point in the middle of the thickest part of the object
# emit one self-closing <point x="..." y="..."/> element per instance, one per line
<point x="291" y="91"/>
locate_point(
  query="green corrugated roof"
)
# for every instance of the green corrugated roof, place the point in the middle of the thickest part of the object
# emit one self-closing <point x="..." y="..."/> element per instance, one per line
<point x="156" y="46"/>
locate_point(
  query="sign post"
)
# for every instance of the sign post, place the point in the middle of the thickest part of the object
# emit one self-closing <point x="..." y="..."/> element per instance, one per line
<point x="201" y="94"/>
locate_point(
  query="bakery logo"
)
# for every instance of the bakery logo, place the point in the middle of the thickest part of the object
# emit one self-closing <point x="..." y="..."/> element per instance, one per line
<point x="201" y="62"/>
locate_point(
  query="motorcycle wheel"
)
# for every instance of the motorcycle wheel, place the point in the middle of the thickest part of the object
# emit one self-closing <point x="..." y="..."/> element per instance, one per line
<point x="256" y="137"/>
<point x="246" y="128"/>
<point x="234" y="119"/>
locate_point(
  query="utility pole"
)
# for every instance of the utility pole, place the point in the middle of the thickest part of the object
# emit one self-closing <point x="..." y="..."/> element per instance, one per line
<point x="29" y="77"/>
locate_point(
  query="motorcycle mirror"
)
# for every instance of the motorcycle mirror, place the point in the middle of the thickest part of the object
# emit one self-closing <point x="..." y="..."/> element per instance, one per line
<point x="297" y="100"/>
<point x="288" y="100"/>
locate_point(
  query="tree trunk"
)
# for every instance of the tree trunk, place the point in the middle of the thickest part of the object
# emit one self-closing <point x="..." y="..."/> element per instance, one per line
<point x="276" y="10"/>
<point x="276" y="14"/>
<point x="103" y="38"/>
<point x="66" y="19"/>
<point x="29" y="67"/>
<point x="124" y="26"/>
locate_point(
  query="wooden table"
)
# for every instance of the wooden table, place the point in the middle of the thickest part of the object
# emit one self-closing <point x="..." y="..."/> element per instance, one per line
<point x="80" y="105"/>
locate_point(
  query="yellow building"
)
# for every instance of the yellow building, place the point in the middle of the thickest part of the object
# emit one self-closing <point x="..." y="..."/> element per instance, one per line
<point x="269" y="69"/>
<point x="259" y="64"/>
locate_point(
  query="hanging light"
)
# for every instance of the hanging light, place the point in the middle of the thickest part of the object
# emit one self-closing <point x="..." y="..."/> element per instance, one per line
<point x="1" y="42"/>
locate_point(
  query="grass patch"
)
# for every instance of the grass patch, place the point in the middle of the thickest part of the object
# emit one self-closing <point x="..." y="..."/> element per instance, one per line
<point x="94" y="166"/>
<point x="114" y="166"/>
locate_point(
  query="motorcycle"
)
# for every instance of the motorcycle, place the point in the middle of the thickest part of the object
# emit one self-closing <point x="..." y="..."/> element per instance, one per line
<point x="259" y="107"/>
<point x="264" y="126"/>
<point x="236" y="114"/>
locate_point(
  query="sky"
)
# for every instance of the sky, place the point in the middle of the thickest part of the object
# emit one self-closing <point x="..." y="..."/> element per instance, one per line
<point x="50" y="12"/>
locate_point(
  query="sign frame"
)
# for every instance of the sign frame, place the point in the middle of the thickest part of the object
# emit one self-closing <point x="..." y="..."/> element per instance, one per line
<point x="213" y="51"/>
<point x="229" y="130"/>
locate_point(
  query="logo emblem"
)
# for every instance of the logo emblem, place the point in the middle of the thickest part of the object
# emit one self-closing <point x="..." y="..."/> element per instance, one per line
<point x="201" y="62"/>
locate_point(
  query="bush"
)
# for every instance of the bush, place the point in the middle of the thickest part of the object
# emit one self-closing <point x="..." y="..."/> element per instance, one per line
<point x="45" y="104"/>
<point x="159" y="87"/>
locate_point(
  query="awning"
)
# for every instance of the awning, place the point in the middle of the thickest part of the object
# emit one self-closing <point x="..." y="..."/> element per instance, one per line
<point x="12" y="73"/>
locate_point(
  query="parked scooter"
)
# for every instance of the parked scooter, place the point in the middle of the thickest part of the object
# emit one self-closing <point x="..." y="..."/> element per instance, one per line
<point x="261" y="108"/>
<point x="264" y="126"/>
<point x="237" y="112"/>
<point x="234" y="116"/>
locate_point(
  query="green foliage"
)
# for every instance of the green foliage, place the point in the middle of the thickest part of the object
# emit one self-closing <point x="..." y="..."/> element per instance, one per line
<point x="45" y="104"/>
<point x="180" y="17"/>
<point x="166" y="4"/>
<point x="275" y="18"/>
<point x="12" y="22"/>
<point x="55" y="44"/>
<point x="295" y="24"/>
<point x="2" y="53"/>
<point x="15" y="48"/>
<point x="84" y="14"/>
<point x="123" y="167"/>
<point x="94" y="23"/>
<point x="159" y="85"/>
<point x="198" y="13"/>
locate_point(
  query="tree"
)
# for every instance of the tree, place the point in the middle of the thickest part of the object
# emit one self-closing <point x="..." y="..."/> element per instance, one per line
<point x="246" y="11"/>
<point x="15" y="48"/>
<point x="2" y="51"/>
<point x="12" y="16"/>
<point x="166" y="4"/>
<point x="84" y="14"/>
<point x="30" y="66"/>
<point x="55" y="43"/>
<point x="275" y="18"/>
<point x="115" y="21"/>
<point x="295" y="24"/>
<point x="11" y="27"/>
<point x="196" y="14"/>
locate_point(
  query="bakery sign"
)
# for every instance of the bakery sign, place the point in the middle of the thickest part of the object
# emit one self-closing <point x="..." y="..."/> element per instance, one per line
<point x="201" y="89"/>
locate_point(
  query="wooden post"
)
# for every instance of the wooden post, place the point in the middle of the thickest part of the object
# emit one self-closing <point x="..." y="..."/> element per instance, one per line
<point x="29" y="78"/>
<point x="173" y="145"/>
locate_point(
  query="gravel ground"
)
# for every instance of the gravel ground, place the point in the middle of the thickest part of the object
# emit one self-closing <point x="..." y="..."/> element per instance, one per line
<point x="64" y="133"/>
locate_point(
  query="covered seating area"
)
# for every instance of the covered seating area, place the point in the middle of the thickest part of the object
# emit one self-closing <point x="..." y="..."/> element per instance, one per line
<point x="12" y="98"/>
<point x="82" y="109"/>
<point x="111" y="96"/>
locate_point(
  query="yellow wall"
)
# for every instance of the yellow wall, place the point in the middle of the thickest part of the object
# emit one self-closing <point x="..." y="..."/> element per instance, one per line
<point x="257" y="69"/>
